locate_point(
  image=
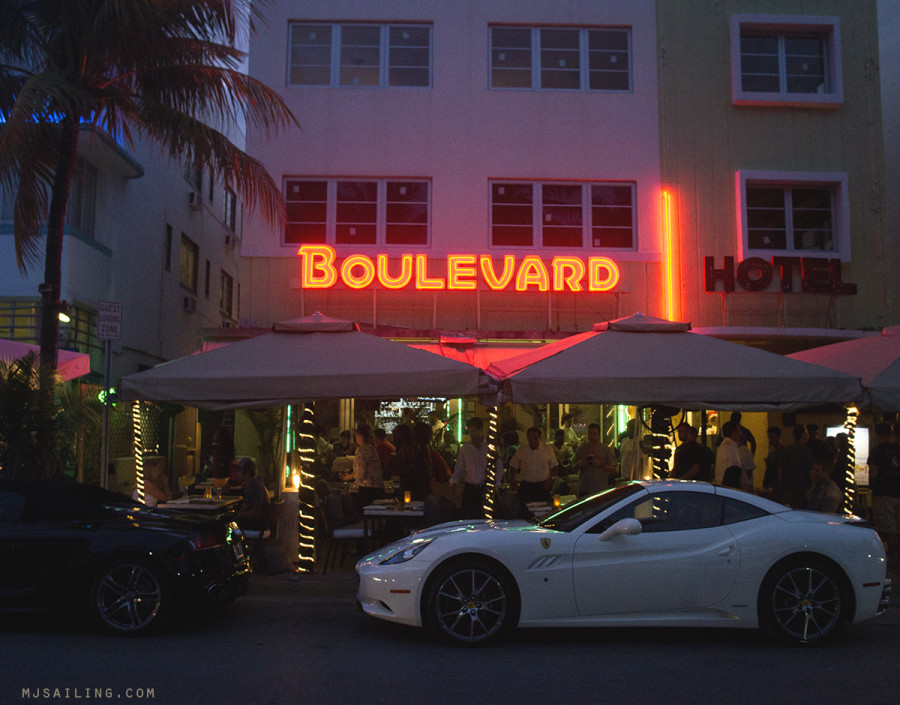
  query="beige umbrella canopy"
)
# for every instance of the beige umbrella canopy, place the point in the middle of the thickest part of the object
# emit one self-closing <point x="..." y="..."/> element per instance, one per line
<point x="303" y="360"/>
<point x="875" y="359"/>
<point x="649" y="361"/>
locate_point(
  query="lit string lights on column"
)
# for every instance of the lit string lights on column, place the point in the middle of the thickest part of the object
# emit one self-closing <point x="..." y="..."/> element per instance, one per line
<point x="306" y="519"/>
<point x="850" y="472"/>
<point x="493" y="454"/>
<point x="138" y="448"/>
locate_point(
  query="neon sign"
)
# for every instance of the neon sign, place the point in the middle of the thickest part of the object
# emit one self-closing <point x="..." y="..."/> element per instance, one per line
<point x="319" y="269"/>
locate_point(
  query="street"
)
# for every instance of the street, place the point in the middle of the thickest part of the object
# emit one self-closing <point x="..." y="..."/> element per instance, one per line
<point x="300" y="639"/>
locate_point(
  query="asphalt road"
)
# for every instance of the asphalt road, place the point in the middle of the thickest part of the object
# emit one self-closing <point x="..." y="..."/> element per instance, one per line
<point x="302" y="640"/>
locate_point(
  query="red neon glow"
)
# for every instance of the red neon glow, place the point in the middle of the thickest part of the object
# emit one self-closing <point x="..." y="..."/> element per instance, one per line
<point x="319" y="270"/>
<point x="668" y="232"/>
<point x="398" y="282"/>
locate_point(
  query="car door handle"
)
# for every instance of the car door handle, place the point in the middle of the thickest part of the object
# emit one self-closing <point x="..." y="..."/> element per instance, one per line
<point x="727" y="551"/>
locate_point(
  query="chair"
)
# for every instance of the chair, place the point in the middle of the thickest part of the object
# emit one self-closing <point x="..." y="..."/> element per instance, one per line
<point x="268" y="530"/>
<point x="339" y="533"/>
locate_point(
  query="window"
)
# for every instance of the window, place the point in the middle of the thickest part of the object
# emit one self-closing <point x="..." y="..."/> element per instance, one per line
<point x="82" y="197"/>
<point x="167" y="254"/>
<point x="380" y="55"/>
<point x="230" y="214"/>
<point x="793" y="212"/>
<point x="226" y="294"/>
<point x="206" y="278"/>
<point x="357" y="211"/>
<point x="20" y="319"/>
<point x="555" y="214"/>
<point x="189" y="263"/>
<point x="780" y="60"/>
<point x="561" y="58"/>
<point x="670" y="511"/>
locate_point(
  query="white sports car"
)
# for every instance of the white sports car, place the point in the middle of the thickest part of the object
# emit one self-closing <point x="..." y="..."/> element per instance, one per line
<point x="666" y="553"/>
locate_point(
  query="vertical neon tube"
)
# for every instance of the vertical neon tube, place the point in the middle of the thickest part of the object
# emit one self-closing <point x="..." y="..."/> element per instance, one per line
<point x="672" y="309"/>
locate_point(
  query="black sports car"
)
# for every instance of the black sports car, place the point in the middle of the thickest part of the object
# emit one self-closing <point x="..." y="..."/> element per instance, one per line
<point x="69" y="546"/>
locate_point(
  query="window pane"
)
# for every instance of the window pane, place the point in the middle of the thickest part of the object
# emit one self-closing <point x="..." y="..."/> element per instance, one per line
<point x="561" y="216"/>
<point x="409" y="56"/>
<point x="188" y="263"/>
<point x="357" y="212"/>
<point x="406" y="234"/>
<point x="759" y="64"/>
<point x="512" y="214"/>
<point x="560" y="60"/>
<point x="310" y="54"/>
<point x="608" y="60"/>
<point x="812" y="219"/>
<point x="306" y="211"/>
<point x="612" y="216"/>
<point x="407" y="213"/>
<point x="766" y="219"/>
<point x="805" y="64"/>
<point x="510" y="57"/>
<point x="360" y="55"/>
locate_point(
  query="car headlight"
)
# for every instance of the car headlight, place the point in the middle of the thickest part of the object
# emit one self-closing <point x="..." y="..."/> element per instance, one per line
<point x="407" y="551"/>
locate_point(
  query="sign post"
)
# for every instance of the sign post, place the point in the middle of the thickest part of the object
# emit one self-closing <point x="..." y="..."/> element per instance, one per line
<point x="109" y="328"/>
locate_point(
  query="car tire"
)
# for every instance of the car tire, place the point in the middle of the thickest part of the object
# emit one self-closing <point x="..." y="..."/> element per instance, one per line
<point x="130" y="596"/>
<point x="471" y="602"/>
<point x="804" y="601"/>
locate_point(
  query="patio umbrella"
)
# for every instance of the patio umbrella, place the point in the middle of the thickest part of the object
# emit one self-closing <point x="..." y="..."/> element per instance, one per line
<point x="649" y="361"/>
<point x="874" y="359"/>
<point x="302" y="360"/>
<point x="69" y="364"/>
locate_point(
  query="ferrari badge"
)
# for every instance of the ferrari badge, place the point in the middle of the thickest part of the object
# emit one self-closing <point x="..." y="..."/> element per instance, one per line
<point x="545" y="543"/>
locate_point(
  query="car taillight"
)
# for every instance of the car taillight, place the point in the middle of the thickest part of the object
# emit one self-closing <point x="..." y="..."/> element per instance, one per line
<point x="204" y="542"/>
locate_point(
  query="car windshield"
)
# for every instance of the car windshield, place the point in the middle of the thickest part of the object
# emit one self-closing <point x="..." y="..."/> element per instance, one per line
<point x="575" y="514"/>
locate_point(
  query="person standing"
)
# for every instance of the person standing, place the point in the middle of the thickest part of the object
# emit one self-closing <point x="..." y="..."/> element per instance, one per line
<point x="595" y="462"/>
<point x="533" y="466"/>
<point x="689" y="460"/>
<point x="471" y="470"/>
<point x="772" y="459"/>
<point x="385" y="450"/>
<point x="884" y="479"/>
<point x="824" y="495"/>
<point x="366" y="469"/>
<point x="728" y="457"/>
<point x="256" y="497"/>
<point x="793" y="471"/>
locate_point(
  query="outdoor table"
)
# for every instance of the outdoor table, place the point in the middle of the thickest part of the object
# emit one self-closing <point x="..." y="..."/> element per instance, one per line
<point x="206" y="505"/>
<point x="377" y="514"/>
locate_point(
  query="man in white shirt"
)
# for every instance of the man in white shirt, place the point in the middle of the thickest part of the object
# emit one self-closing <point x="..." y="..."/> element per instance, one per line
<point x="471" y="470"/>
<point x="728" y="455"/>
<point x="534" y="464"/>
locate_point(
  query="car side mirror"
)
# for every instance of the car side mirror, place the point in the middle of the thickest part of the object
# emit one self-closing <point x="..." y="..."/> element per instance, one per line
<point x="628" y="527"/>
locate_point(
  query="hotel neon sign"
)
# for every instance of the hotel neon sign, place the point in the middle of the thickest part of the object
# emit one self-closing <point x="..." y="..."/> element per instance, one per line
<point x="319" y="269"/>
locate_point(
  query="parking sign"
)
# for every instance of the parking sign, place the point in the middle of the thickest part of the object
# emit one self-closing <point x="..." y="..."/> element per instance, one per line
<point x="109" y="320"/>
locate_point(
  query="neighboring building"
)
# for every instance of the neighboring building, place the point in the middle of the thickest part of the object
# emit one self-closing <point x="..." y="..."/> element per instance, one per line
<point x="160" y="239"/>
<point x="454" y="151"/>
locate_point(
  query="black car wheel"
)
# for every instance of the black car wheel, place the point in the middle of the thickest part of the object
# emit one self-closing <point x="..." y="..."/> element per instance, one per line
<point x="130" y="596"/>
<point x="471" y="602"/>
<point x="804" y="601"/>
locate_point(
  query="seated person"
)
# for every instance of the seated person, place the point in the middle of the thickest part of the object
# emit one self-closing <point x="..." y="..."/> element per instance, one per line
<point x="256" y="497"/>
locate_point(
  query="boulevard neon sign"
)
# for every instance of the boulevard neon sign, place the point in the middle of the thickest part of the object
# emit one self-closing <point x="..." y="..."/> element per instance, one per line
<point x="319" y="269"/>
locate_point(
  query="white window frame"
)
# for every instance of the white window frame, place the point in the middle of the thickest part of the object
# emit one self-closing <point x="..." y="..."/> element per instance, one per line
<point x="331" y="184"/>
<point x="779" y="25"/>
<point x="840" y="205"/>
<point x="583" y="54"/>
<point x="537" y="221"/>
<point x="226" y="294"/>
<point x="384" y="60"/>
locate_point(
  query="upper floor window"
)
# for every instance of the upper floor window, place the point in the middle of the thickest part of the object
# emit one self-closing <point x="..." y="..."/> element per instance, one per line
<point x="226" y="294"/>
<point x="786" y="60"/>
<point x="189" y="263"/>
<point x="551" y="214"/>
<point x="381" y="55"/>
<point x="230" y="209"/>
<point x="82" y="198"/>
<point x="357" y="211"/>
<point x="783" y="212"/>
<point x="561" y="58"/>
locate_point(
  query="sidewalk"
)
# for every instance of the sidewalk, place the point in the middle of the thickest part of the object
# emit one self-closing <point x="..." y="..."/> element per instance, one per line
<point x="336" y="585"/>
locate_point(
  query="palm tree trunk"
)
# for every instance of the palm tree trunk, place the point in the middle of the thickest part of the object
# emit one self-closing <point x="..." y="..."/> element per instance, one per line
<point x="56" y="220"/>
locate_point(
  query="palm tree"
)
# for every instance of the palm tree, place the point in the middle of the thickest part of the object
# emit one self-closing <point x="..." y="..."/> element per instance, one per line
<point x="167" y="70"/>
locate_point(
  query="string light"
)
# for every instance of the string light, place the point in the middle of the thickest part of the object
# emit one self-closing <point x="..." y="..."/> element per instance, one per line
<point x="493" y="454"/>
<point x="138" y="449"/>
<point x="850" y="472"/>
<point x="306" y="511"/>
